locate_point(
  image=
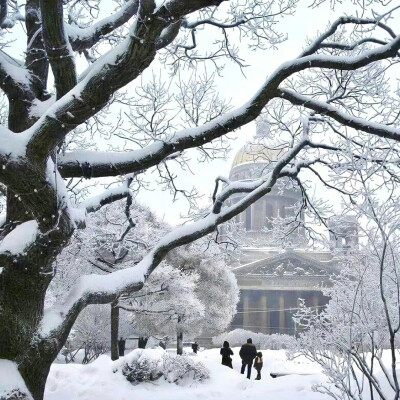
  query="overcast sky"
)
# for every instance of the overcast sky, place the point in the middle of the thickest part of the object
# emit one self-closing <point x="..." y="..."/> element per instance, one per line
<point x="235" y="86"/>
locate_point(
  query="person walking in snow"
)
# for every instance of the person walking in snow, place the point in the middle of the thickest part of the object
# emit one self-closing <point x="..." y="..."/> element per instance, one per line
<point x="121" y="347"/>
<point x="258" y="364"/>
<point x="247" y="353"/>
<point x="195" y="347"/>
<point x="226" y="353"/>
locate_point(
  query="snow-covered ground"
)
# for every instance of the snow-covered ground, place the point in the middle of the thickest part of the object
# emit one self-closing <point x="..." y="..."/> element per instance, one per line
<point x="97" y="381"/>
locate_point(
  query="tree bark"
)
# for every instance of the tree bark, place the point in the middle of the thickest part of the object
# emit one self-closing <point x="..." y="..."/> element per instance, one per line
<point x="179" y="343"/>
<point x="114" y="331"/>
<point x="22" y="292"/>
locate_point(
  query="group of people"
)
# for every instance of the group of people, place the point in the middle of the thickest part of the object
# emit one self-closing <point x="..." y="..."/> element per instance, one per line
<point x="249" y="355"/>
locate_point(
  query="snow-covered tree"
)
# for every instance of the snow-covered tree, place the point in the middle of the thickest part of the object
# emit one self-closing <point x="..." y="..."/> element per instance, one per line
<point x="172" y="302"/>
<point x="90" y="333"/>
<point x="167" y="306"/>
<point x="46" y="146"/>
<point x="116" y="237"/>
<point x="217" y="289"/>
<point x="195" y="295"/>
<point x="356" y="337"/>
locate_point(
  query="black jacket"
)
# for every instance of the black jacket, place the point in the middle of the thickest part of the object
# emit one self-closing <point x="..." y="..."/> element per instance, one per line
<point x="248" y="353"/>
<point x="226" y="352"/>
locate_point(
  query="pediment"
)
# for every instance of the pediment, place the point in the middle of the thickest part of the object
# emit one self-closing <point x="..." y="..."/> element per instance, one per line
<point x="287" y="264"/>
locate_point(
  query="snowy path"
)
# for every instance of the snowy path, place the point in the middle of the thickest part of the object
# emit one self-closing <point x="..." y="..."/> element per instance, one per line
<point x="97" y="381"/>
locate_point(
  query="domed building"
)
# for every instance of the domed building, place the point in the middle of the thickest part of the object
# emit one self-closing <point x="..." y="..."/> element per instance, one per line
<point x="273" y="277"/>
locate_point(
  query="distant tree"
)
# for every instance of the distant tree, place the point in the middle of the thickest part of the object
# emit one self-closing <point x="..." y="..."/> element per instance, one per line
<point x="361" y="321"/>
<point x="196" y="294"/>
<point x="167" y="306"/>
<point x="115" y="238"/>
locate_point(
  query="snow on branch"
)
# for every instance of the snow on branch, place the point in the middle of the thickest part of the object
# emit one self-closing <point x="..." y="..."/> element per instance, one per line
<point x="318" y="43"/>
<point x="344" y="118"/>
<point x="123" y="64"/>
<point x="101" y="289"/>
<point x="100" y="164"/>
<point x="19" y="239"/>
<point x="14" y="78"/>
<point x="12" y="146"/>
<point x="112" y="71"/>
<point x="85" y="38"/>
<point x="108" y="196"/>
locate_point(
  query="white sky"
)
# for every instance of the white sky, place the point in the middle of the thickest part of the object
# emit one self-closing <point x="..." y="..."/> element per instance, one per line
<point x="232" y="85"/>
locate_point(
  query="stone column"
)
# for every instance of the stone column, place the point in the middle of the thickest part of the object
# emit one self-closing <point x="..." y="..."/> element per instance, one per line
<point x="264" y="316"/>
<point x="315" y="301"/>
<point x="282" y="324"/>
<point x="297" y="327"/>
<point x="245" y="309"/>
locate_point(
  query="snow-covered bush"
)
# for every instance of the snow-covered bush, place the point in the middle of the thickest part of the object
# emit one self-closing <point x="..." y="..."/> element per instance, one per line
<point x="276" y="341"/>
<point x="141" y="365"/>
<point x="183" y="369"/>
<point x="237" y="337"/>
<point x="144" y="365"/>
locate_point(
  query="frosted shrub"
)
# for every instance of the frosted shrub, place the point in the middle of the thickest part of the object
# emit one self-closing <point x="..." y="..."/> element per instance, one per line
<point x="183" y="369"/>
<point x="144" y="365"/>
<point x="237" y="337"/>
<point x="141" y="366"/>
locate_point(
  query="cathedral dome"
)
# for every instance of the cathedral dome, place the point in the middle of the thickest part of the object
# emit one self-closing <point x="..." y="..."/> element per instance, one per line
<point x="257" y="153"/>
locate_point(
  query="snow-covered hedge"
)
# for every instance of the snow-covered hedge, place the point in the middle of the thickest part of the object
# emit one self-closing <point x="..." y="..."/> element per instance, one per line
<point x="183" y="369"/>
<point x="238" y="337"/>
<point x="144" y="365"/>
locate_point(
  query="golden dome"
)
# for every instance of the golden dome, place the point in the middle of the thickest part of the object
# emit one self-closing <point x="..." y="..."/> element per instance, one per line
<point x="257" y="153"/>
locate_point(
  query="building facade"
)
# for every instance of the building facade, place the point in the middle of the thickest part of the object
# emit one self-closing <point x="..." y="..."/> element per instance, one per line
<point x="273" y="278"/>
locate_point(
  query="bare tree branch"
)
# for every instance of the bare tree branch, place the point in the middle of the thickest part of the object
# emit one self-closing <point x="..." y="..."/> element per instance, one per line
<point x="340" y="116"/>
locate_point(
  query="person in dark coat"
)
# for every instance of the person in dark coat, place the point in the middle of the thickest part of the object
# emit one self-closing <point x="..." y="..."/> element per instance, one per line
<point x="195" y="347"/>
<point x="226" y="353"/>
<point x="247" y="353"/>
<point x="258" y="364"/>
<point x="121" y="347"/>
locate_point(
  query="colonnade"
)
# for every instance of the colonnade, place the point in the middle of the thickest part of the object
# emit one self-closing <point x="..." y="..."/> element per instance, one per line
<point x="271" y="311"/>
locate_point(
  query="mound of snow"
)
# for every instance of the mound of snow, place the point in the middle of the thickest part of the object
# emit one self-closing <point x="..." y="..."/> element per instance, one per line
<point x="99" y="381"/>
<point x="12" y="385"/>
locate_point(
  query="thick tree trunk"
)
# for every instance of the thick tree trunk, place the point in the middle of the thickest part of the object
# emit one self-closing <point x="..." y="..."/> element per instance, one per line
<point x="114" y="331"/>
<point x="179" y="343"/>
<point x="22" y="290"/>
<point x="35" y="375"/>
